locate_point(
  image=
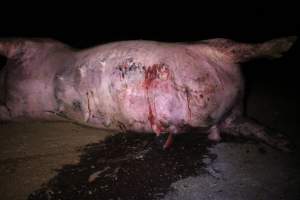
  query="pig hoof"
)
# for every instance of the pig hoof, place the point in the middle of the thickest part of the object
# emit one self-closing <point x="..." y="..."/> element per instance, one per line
<point x="169" y="141"/>
<point x="160" y="140"/>
<point x="164" y="141"/>
<point x="214" y="134"/>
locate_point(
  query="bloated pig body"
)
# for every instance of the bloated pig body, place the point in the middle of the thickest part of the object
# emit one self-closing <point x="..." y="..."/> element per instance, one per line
<point x="139" y="86"/>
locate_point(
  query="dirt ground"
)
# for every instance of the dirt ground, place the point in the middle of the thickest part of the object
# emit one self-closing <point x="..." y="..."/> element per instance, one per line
<point x="65" y="161"/>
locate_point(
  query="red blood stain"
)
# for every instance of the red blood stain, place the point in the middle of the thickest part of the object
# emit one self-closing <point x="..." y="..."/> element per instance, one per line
<point x="151" y="73"/>
<point x="151" y="117"/>
<point x="156" y="71"/>
<point x="156" y="126"/>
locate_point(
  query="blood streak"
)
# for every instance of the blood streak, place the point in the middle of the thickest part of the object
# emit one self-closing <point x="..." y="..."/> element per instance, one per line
<point x="156" y="127"/>
<point x="151" y="73"/>
<point x="151" y="116"/>
<point x="156" y="71"/>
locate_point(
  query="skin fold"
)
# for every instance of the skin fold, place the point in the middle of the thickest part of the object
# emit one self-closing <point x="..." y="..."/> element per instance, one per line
<point x="135" y="86"/>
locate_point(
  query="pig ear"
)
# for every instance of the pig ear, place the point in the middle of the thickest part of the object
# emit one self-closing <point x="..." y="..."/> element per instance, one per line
<point x="14" y="47"/>
<point x="232" y="51"/>
<point x="10" y="47"/>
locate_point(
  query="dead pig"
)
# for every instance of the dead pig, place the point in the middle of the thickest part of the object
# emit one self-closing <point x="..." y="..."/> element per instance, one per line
<point x="139" y="86"/>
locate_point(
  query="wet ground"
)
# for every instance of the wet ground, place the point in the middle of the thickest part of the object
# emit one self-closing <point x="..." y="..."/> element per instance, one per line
<point x="67" y="161"/>
<point x="127" y="167"/>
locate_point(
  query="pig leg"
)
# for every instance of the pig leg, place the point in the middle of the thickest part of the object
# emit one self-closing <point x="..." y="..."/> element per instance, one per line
<point x="169" y="141"/>
<point x="243" y="126"/>
<point x="165" y="140"/>
<point x="214" y="134"/>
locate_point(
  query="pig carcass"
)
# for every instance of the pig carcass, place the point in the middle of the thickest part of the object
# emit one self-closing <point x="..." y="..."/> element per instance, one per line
<point x="134" y="86"/>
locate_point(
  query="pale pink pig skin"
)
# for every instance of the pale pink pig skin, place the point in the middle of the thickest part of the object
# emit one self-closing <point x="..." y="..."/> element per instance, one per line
<point x="133" y="86"/>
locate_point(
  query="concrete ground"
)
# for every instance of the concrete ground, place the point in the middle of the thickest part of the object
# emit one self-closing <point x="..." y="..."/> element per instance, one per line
<point x="30" y="153"/>
<point x="242" y="172"/>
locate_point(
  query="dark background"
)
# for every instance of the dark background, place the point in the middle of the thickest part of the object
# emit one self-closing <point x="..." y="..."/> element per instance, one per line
<point x="83" y="25"/>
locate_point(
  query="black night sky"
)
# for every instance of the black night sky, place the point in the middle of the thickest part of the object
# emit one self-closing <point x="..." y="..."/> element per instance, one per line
<point x="86" y="25"/>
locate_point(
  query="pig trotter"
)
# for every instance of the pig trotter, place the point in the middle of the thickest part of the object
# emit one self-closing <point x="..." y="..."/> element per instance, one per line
<point x="164" y="140"/>
<point x="242" y="126"/>
<point x="214" y="134"/>
<point x="169" y="141"/>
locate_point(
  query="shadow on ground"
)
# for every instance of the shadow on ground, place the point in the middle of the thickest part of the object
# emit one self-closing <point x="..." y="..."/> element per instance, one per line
<point x="128" y="166"/>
